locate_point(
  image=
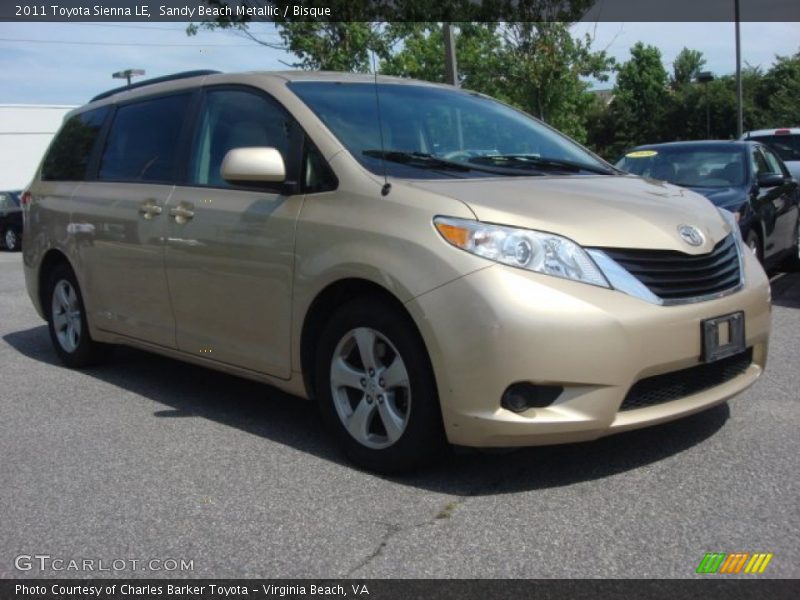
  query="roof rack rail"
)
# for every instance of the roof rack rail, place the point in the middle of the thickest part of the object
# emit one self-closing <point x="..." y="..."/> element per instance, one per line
<point x="173" y="77"/>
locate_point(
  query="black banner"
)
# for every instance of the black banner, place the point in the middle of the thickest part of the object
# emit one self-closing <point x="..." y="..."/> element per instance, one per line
<point x="711" y="588"/>
<point x="397" y="10"/>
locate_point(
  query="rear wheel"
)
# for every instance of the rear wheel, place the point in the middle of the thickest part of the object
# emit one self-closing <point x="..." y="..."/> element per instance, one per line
<point x="11" y="240"/>
<point x="66" y="319"/>
<point x="376" y="389"/>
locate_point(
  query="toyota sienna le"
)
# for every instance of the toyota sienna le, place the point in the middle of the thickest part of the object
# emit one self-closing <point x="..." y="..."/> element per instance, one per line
<point x="428" y="264"/>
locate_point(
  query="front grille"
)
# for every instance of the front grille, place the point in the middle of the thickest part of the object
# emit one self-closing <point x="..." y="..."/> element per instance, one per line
<point x="673" y="275"/>
<point x="679" y="384"/>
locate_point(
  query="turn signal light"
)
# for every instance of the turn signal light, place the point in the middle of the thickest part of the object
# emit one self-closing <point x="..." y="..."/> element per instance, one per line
<point x="457" y="236"/>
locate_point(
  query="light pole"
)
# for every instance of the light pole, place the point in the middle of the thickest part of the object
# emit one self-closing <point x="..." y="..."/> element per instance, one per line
<point x="127" y="74"/>
<point x="450" y="61"/>
<point x="739" y="102"/>
<point x="706" y="77"/>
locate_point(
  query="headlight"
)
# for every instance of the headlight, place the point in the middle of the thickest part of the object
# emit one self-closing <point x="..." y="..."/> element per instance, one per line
<point x="522" y="248"/>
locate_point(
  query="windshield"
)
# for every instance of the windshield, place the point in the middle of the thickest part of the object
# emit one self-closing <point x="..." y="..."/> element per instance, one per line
<point x="786" y="146"/>
<point x="425" y="126"/>
<point x="689" y="167"/>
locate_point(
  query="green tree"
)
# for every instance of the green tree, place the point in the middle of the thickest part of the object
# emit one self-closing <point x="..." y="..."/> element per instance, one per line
<point x="334" y="46"/>
<point x="640" y="102"/>
<point x="546" y="73"/>
<point x="780" y="92"/>
<point x="318" y="45"/>
<point x="479" y="51"/>
<point x="686" y="66"/>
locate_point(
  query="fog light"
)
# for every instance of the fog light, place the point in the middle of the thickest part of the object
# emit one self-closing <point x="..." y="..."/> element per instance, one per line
<point x="521" y="396"/>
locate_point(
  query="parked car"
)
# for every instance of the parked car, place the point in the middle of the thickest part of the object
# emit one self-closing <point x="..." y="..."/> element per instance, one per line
<point x="784" y="141"/>
<point x="10" y="221"/>
<point x="746" y="178"/>
<point x="426" y="263"/>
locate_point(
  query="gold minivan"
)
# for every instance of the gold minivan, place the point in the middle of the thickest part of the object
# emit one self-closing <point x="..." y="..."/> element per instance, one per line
<point x="428" y="264"/>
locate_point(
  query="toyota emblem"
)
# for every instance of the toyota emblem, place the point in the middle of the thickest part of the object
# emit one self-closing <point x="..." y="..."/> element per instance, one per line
<point x="691" y="235"/>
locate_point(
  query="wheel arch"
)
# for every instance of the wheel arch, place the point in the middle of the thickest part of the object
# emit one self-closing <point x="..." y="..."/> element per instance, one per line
<point x="50" y="260"/>
<point x="325" y="304"/>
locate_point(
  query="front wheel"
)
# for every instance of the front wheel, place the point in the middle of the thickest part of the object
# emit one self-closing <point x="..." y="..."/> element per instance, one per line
<point x="376" y="389"/>
<point x="792" y="262"/>
<point x="753" y="242"/>
<point x="66" y="319"/>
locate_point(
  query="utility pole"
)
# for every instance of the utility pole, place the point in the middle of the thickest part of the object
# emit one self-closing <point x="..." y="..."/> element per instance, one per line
<point x="739" y="102"/>
<point x="450" y="64"/>
<point x="127" y="74"/>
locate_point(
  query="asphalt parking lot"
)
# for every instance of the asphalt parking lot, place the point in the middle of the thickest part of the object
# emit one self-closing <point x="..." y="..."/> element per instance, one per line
<point x="148" y="458"/>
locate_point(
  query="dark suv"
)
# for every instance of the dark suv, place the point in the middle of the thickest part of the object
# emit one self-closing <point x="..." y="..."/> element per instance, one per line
<point x="10" y="221"/>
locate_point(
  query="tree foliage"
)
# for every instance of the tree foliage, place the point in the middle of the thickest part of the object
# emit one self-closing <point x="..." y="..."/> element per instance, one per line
<point x="327" y="46"/>
<point x="420" y="55"/>
<point x="780" y="91"/>
<point x="547" y="69"/>
<point x="686" y="67"/>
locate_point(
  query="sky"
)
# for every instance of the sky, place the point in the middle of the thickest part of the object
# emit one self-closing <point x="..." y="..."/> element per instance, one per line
<point x="68" y="63"/>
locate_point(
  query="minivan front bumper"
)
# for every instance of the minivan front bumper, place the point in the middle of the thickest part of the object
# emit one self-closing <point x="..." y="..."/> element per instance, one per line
<point x="500" y="325"/>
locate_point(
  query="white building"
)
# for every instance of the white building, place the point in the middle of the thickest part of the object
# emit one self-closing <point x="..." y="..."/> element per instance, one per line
<point x="25" y="132"/>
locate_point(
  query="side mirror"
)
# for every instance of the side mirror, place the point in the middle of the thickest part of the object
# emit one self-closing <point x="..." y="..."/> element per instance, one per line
<point x="767" y="180"/>
<point x="256" y="164"/>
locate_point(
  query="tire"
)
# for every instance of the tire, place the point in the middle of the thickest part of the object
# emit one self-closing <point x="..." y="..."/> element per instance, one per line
<point x="792" y="262"/>
<point x="11" y="240"/>
<point x="66" y="321"/>
<point x="753" y="242"/>
<point x="393" y="409"/>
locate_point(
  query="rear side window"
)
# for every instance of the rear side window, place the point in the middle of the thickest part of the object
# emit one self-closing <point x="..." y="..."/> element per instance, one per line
<point x="142" y="143"/>
<point x="69" y="154"/>
<point x="787" y="146"/>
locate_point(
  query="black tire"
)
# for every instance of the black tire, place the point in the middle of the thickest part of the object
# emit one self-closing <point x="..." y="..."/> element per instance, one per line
<point x="11" y="240"/>
<point x="422" y="440"/>
<point x="753" y="242"/>
<point x="792" y="262"/>
<point x="86" y="351"/>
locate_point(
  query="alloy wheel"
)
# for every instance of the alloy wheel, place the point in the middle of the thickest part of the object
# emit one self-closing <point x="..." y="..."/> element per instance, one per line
<point x="66" y="313"/>
<point x="370" y="387"/>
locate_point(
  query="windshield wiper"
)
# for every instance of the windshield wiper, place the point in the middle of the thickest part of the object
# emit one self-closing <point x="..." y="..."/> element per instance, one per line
<point x="417" y="159"/>
<point x="539" y="162"/>
<point x="424" y="160"/>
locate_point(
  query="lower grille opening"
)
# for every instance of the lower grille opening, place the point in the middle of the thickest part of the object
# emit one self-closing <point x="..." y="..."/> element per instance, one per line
<point x="679" y="384"/>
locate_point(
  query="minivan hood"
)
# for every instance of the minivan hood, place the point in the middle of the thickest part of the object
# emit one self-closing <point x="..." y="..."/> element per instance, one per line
<point x="594" y="211"/>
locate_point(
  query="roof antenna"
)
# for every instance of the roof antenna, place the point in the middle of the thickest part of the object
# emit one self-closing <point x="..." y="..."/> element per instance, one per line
<point x="386" y="185"/>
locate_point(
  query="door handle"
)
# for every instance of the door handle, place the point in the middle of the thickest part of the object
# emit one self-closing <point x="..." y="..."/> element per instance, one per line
<point x="149" y="209"/>
<point x="181" y="213"/>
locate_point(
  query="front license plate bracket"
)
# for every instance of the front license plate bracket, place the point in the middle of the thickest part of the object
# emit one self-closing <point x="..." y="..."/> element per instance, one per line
<point x="723" y="336"/>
